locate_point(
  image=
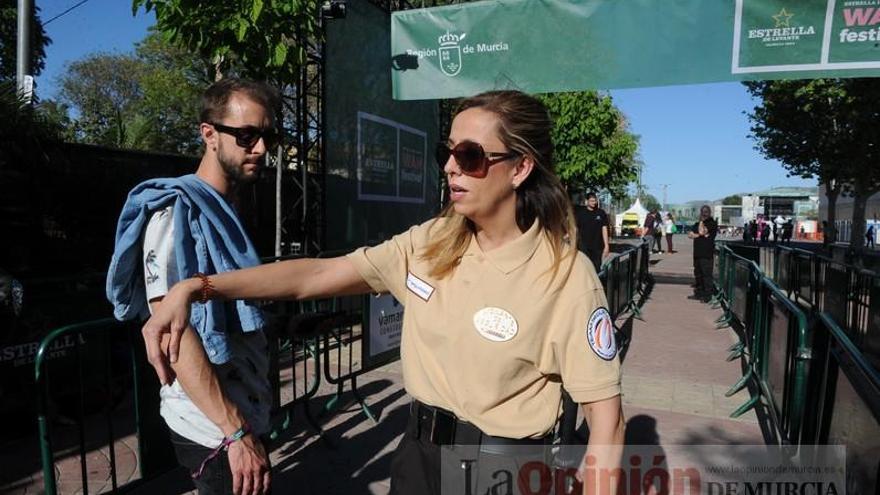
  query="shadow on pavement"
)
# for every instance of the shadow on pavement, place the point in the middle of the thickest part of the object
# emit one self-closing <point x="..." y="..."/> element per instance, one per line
<point x="360" y="454"/>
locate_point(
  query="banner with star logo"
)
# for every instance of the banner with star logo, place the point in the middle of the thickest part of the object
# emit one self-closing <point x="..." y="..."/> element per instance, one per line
<point x="569" y="45"/>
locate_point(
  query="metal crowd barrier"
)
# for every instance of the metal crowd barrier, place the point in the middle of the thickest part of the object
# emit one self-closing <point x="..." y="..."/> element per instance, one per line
<point x="811" y="329"/>
<point x="110" y="400"/>
<point x="776" y="344"/>
<point x="848" y="404"/>
<point x="625" y="278"/>
<point x="849" y="294"/>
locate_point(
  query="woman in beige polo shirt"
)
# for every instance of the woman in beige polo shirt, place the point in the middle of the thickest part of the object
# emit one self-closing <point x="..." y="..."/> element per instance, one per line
<point x="502" y="311"/>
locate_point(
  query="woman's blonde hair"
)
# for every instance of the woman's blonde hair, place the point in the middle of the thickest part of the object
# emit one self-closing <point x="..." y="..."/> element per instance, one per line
<point x="524" y="127"/>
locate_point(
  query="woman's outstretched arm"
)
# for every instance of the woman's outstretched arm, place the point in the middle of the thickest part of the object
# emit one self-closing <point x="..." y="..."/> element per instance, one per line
<point x="292" y="279"/>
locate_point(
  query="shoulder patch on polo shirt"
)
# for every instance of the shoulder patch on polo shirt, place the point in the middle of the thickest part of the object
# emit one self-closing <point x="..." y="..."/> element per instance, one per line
<point x="495" y="324"/>
<point x="419" y="287"/>
<point x="600" y="334"/>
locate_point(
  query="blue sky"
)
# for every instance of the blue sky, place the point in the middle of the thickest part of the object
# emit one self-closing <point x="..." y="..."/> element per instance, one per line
<point x="95" y="26"/>
<point x="693" y="138"/>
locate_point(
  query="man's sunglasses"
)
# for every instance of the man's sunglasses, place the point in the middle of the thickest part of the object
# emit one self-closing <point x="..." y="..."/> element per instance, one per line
<point x="470" y="157"/>
<point x="248" y="136"/>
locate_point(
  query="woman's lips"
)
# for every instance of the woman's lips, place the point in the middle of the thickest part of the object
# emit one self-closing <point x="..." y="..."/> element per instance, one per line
<point x="456" y="192"/>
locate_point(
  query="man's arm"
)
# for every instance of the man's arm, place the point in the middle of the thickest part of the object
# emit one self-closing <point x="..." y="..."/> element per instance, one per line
<point x="607" y="249"/>
<point x="712" y="230"/>
<point x="248" y="460"/>
<point x="605" y="448"/>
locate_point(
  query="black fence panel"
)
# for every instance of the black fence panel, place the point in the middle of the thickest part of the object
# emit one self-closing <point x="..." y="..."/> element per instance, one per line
<point x="804" y="277"/>
<point x="740" y="294"/>
<point x="779" y="362"/>
<point x="751" y="253"/>
<point x="871" y="345"/>
<point x="622" y="284"/>
<point x="835" y="289"/>
<point x="851" y="412"/>
<point x="783" y="270"/>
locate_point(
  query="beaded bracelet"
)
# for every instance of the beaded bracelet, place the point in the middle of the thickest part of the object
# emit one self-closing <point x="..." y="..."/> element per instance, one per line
<point x="207" y="291"/>
<point x="236" y="436"/>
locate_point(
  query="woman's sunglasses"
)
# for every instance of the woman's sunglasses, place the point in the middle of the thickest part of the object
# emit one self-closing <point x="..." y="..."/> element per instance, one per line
<point x="248" y="136"/>
<point x="470" y="157"/>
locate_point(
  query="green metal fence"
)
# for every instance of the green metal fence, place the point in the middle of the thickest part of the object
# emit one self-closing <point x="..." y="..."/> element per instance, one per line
<point x="804" y="317"/>
<point x="311" y="342"/>
<point x="848" y="405"/>
<point x="106" y="368"/>
<point x="776" y="344"/>
<point x="625" y="278"/>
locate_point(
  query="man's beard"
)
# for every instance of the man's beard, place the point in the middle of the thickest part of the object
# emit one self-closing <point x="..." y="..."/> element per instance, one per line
<point x="235" y="171"/>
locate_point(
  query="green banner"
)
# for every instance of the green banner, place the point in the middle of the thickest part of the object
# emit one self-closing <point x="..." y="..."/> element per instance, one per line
<point x="542" y="46"/>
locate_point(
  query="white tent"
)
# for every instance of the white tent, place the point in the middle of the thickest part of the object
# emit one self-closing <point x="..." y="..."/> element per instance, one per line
<point x="636" y="210"/>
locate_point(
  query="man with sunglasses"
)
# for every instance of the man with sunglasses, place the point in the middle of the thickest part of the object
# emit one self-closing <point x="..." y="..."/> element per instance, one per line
<point x="215" y="395"/>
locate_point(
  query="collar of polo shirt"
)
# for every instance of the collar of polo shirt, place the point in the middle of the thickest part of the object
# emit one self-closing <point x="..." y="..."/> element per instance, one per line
<point x="512" y="255"/>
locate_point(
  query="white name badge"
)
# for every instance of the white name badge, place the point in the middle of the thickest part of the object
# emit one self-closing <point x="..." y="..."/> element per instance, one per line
<point x="495" y="324"/>
<point x="419" y="287"/>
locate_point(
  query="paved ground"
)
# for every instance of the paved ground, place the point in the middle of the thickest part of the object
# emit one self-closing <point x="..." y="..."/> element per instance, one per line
<point x="675" y="376"/>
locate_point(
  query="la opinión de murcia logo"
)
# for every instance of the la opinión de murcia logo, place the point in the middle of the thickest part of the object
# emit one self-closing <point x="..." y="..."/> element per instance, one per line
<point x="867" y="18"/>
<point x="451" y="51"/>
<point x="783" y="31"/>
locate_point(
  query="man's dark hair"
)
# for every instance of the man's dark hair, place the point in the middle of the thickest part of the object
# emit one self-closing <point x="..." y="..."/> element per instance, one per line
<point x="216" y="97"/>
<point x="591" y="195"/>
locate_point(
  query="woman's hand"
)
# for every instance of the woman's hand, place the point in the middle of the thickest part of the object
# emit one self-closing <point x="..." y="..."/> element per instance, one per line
<point x="168" y="323"/>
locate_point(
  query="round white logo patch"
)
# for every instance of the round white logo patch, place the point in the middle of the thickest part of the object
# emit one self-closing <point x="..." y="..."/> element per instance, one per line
<point x="600" y="334"/>
<point x="495" y="324"/>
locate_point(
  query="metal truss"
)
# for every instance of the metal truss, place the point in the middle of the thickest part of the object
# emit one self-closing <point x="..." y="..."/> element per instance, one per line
<point x="303" y="216"/>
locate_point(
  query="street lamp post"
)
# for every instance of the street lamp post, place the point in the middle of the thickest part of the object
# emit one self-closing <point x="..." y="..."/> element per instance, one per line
<point x="23" y="78"/>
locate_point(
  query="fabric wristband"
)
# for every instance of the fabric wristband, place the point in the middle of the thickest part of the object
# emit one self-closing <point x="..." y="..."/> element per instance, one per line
<point x="236" y="436"/>
<point x="207" y="291"/>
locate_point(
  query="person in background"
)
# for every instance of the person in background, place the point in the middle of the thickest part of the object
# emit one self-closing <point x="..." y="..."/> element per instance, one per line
<point x="669" y="230"/>
<point x="869" y="237"/>
<point x="648" y="232"/>
<point x="703" y="233"/>
<point x="787" y="231"/>
<point x="765" y="233"/>
<point x="657" y="232"/>
<point x="592" y="226"/>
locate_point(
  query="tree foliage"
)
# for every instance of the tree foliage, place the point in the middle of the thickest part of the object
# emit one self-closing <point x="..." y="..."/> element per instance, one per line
<point x="732" y="200"/>
<point x="104" y="89"/>
<point x="23" y="131"/>
<point x="824" y="129"/>
<point x="145" y="100"/>
<point x="9" y="35"/>
<point x="265" y="39"/>
<point x="801" y="124"/>
<point x="594" y="149"/>
<point x="649" y="201"/>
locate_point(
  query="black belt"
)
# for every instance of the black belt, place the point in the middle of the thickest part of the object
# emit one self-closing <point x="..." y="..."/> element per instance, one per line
<point x="442" y="427"/>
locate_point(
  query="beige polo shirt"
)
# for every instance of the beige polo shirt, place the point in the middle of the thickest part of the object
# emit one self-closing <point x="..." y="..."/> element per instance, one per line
<point x="491" y="342"/>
